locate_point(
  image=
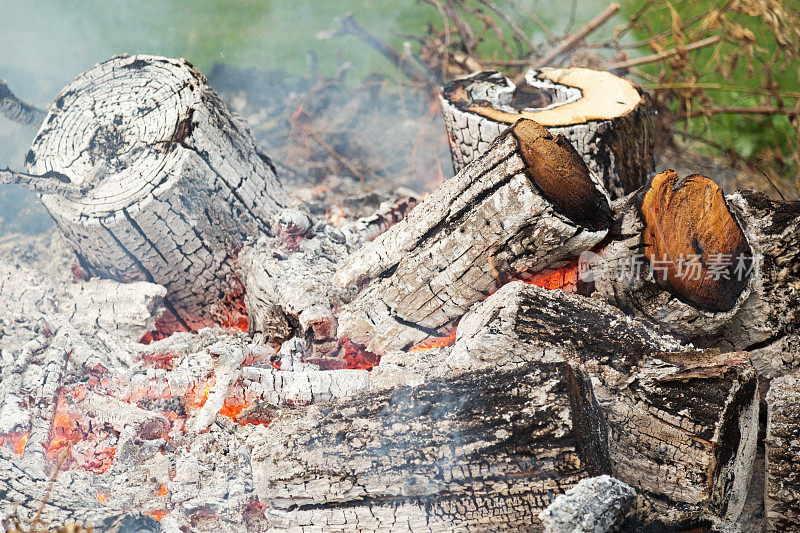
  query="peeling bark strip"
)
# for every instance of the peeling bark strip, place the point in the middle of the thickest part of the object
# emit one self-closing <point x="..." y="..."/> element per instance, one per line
<point x="505" y="215"/>
<point x="607" y="118"/>
<point x="740" y="292"/>
<point x="782" y="485"/>
<point x="173" y="183"/>
<point x="681" y="425"/>
<point x="457" y="453"/>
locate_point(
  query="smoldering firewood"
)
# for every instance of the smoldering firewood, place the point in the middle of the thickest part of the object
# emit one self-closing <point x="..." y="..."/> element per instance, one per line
<point x="14" y="109"/>
<point x="594" y="505"/>
<point x="464" y="452"/>
<point x="289" y="276"/>
<point x="682" y="425"/>
<point x="606" y="118"/>
<point x="173" y="182"/>
<point x="526" y="204"/>
<point x="782" y="483"/>
<point x="717" y="270"/>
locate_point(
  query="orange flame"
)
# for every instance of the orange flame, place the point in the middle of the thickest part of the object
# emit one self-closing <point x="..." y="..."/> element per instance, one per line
<point x="158" y="515"/>
<point x="565" y="278"/>
<point x="102" y="496"/>
<point x="18" y="440"/>
<point x="163" y="491"/>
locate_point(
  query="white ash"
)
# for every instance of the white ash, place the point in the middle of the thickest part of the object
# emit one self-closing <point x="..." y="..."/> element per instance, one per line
<point x="594" y="505"/>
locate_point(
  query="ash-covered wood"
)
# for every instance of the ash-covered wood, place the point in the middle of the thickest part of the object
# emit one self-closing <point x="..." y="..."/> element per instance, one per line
<point x="721" y="272"/>
<point x="595" y="505"/>
<point x="173" y="182"/>
<point x="483" y="450"/>
<point x="681" y="425"/>
<point x="508" y="214"/>
<point x="606" y="118"/>
<point x="782" y="483"/>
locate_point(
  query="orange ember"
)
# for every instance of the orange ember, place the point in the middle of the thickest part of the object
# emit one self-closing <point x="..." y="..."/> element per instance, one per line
<point x="198" y="394"/>
<point x="163" y="491"/>
<point x="102" y="496"/>
<point x="565" y="278"/>
<point x="356" y="357"/>
<point x="17" y="440"/>
<point x="158" y="515"/>
<point x="436" y="342"/>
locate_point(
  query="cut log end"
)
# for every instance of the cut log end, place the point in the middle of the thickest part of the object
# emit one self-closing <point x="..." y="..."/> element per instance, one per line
<point x="558" y="171"/>
<point x="701" y="253"/>
<point x="607" y="119"/>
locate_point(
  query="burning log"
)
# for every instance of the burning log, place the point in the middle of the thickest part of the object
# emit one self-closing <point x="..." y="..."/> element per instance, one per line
<point x="465" y="451"/>
<point x="528" y="203"/>
<point x="782" y="484"/>
<point x="607" y="118"/>
<point x="682" y="425"/>
<point x="171" y="183"/>
<point x="719" y="271"/>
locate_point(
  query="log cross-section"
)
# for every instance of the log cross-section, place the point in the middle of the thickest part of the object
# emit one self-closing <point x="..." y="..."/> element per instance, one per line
<point x="607" y="118"/>
<point x="172" y="181"/>
<point x="528" y="203"/>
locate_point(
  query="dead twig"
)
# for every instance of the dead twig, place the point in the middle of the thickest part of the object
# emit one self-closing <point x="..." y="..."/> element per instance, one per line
<point x="654" y="58"/>
<point x="49" y="183"/>
<point x="14" y="109"/>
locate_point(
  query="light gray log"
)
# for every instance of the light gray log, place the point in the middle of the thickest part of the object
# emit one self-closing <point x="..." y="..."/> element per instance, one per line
<point x="681" y="425"/>
<point x="486" y="450"/>
<point x="608" y="119"/>
<point x="14" y="109"/>
<point x="528" y="203"/>
<point x="595" y="505"/>
<point x="782" y="480"/>
<point x="173" y="182"/>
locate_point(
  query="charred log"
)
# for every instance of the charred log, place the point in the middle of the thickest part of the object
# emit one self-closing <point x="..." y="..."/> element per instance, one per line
<point x="719" y="271"/>
<point x="606" y="118"/>
<point x="463" y="452"/>
<point x="682" y="425"/>
<point x="528" y="203"/>
<point x="171" y="182"/>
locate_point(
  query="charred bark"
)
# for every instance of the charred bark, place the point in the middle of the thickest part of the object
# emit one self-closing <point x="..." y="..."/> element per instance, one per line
<point x="528" y="203"/>
<point x="607" y="119"/>
<point x="782" y="483"/>
<point x="468" y="452"/>
<point x="171" y="182"/>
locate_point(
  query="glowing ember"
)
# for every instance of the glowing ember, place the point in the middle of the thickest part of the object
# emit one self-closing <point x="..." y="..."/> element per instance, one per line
<point x="102" y="496"/>
<point x="565" y="278"/>
<point x="158" y="515"/>
<point x="198" y="394"/>
<point x="355" y="356"/>
<point x="17" y="440"/>
<point x="437" y="342"/>
<point x="163" y="491"/>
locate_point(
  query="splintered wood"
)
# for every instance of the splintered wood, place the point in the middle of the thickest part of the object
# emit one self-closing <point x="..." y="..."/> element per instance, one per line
<point x="172" y="181"/>
<point x="606" y="118"/>
<point x="503" y="216"/>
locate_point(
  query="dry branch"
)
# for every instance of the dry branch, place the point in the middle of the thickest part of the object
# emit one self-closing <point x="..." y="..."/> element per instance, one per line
<point x="14" y="109"/>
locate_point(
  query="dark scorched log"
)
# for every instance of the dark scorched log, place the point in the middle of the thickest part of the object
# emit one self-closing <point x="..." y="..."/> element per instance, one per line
<point x="606" y="118"/>
<point x="782" y="483"/>
<point x="718" y="270"/>
<point x="682" y="425"/>
<point x="486" y="450"/>
<point x="172" y="181"/>
<point x="527" y="204"/>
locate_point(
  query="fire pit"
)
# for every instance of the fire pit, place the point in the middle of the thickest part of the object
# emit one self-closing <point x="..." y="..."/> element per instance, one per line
<point x="212" y="353"/>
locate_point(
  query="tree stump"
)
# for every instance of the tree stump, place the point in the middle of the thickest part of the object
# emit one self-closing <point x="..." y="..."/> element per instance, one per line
<point x="607" y="118"/>
<point x="526" y="204"/>
<point x="171" y="182"/>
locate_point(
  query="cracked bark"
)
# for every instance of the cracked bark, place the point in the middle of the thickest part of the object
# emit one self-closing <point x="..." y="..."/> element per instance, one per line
<point x="526" y="204"/>
<point x="459" y="453"/>
<point x="782" y="483"/>
<point x="172" y="182"/>
<point x="608" y="119"/>
<point x="682" y="424"/>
